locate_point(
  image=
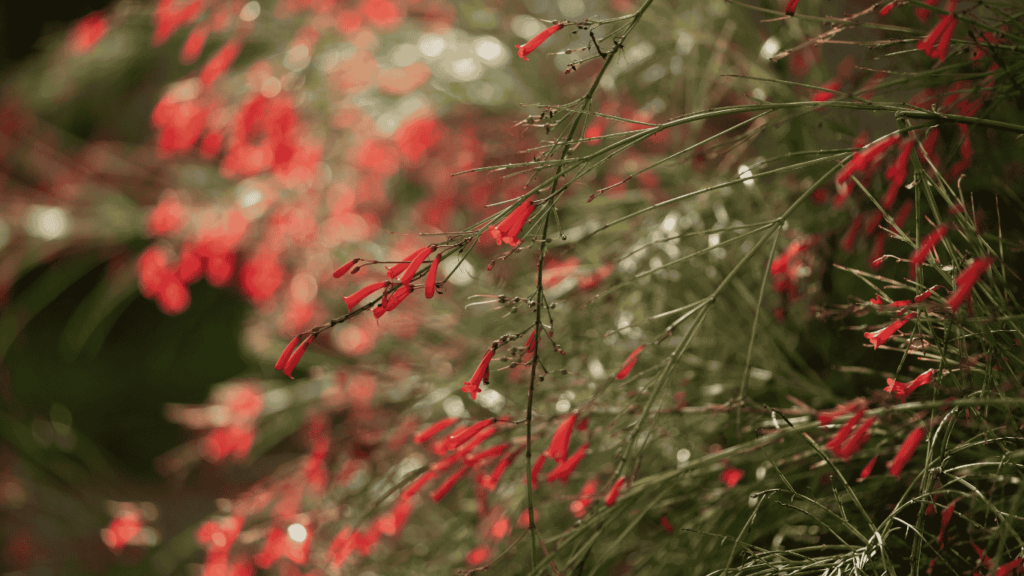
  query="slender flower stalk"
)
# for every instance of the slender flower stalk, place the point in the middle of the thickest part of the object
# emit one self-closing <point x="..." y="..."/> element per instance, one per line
<point x="627" y="366"/>
<point x="535" y="42"/>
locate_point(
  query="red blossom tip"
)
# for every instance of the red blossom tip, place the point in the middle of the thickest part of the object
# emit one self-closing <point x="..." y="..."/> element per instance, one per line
<point x="906" y="452"/>
<point x="613" y="494"/>
<point x="535" y="42"/>
<point x="431" y="286"/>
<point x="287" y="353"/>
<point x="627" y="366"/>
<point x="559" y="448"/>
<point x="344" y="269"/>
<point x="293" y="360"/>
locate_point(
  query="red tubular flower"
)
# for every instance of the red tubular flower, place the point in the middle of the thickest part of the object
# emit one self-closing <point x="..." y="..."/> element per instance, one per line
<point x="791" y="7"/>
<point x="936" y="43"/>
<point x="857" y="440"/>
<point x="431" y="286"/>
<point x="448" y="484"/>
<point x="613" y="494"/>
<point x="491" y="482"/>
<point x="966" y="280"/>
<point x="868" y="468"/>
<point x="928" y="243"/>
<point x="534" y="43"/>
<point x="829" y="92"/>
<point x="906" y="451"/>
<point x="563" y="470"/>
<point x="473" y="386"/>
<point x="844" y="432"/>
<point x="901" y="217"/>
<point x="397" y="296"/>
<point x="947" y="515"/>
<point x="344" y="269"/>
<point x="287" y="353"/>
<point x="731" y="476"/>
<point x="397" y="269"/>
<point x="924" y="295"/>
<point x="559" y="448"/>
<point x="456" y="440"/>
<point x="865" y="156"/>
<point x="474" y="442"/>
<point x="627" y="366"/>
<point x="341" y="547"/>
<point x="414" y="264"/>
<point x="850" y="237"/>
<point x="498" y="450"/>
<point x="825" y="417"/>
<point x="432" y="430"/>
<point x="508" y="230"/>
<point x="293" y="360"/>
<point x="535" y="471"/>
<point x="882" y="335"/>
<point x="901" y="391"/>
<point x="666" y="525"/>
<point x="354" y="299"/>
<point x="887" y="8"/>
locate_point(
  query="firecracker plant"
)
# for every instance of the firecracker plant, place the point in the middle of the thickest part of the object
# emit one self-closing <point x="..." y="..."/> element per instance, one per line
<point x="733" y="291"/>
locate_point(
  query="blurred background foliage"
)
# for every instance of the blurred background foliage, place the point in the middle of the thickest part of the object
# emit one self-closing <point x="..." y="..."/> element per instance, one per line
<point x="146" y="271"/>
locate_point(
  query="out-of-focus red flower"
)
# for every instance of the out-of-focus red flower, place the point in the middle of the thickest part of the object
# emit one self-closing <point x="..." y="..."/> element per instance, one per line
<point x="627" y="366"/>
<point x="966" y="280"/>
<point x="563" y="470"/>
<point x="220" y="62"/>
<point x="558" y="450"/>
<point x="731" y="476"/>
<point x="87" y="32"/>
<point x="193" y="46"/>
<point x="122" y="530"/>
<point x="906" y="451"/>
<point x="791" y="7"/>
<point x="936" y="43"/>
